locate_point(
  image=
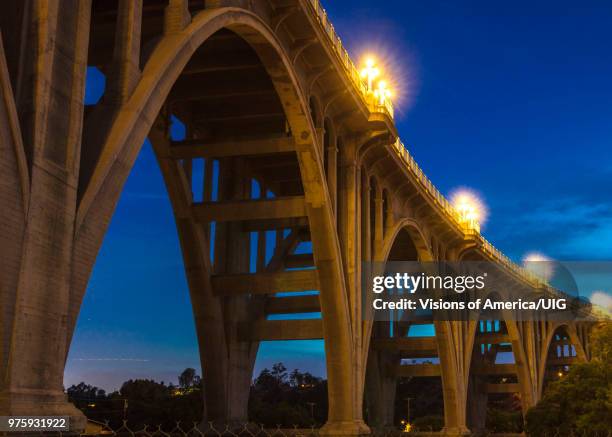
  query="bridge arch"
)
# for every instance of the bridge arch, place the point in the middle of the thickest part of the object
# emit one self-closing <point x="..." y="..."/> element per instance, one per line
<point x="136" y="119"/>
<point x="515" y="335"/>
<point x="489" y="338"/>
<point x="403" y="241"/>
<point x="571" y="351"/>
<point x="523" y="373"/>
<point x="417" y="237"/>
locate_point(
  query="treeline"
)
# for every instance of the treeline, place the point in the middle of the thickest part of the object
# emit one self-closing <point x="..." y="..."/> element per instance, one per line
<point x="277" y="397"/>
<point x="580" y="403"/>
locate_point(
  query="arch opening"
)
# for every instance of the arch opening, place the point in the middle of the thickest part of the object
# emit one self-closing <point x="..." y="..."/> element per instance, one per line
<point x="403" y="381"/>
<point x="494" y="401"/>
<point x="224" y="100"/>
<point x="560" y="356"/>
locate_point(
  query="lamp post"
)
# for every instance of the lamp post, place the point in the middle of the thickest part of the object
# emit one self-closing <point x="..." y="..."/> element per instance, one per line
<point x="370" y="72"/>
<point x="382" y="93"/>
<point x="408" y="409"/>
<point x="312" y="405"/>
<point x="470" y="209"/>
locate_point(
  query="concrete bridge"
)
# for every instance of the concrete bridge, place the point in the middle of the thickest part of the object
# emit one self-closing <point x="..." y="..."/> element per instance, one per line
<point x="267" y="93"/>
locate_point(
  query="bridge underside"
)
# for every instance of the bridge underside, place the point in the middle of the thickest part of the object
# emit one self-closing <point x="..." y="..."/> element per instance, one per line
<point x="285" y="181"/>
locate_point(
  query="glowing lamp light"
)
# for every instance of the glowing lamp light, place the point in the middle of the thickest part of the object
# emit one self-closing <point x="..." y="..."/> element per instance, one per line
<point x="407" y="427"/>
<point x="540" y="265"/>
<point x="470" y="208"/>
<point x="382" y="93"/>
<point x="370" y="72"/>
<point x="602" y="300"/>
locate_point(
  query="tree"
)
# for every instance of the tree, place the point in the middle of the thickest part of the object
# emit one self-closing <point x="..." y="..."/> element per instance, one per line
<point x="84" y="392"/>
<point x="580" y="402"/>
<point x="279" y="372"/>
<point x="277" y="398"/>
<point x="187" y="378"/>
<point x="601" y="343"/>
<point x="504" y="421"/>
<point x="425" y="401"/>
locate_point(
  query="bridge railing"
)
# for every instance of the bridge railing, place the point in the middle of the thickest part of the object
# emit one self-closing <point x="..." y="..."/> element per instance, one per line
<point x="374" y="104"/>
<point x="469" y="229"/>
<point x="439" y="198"/>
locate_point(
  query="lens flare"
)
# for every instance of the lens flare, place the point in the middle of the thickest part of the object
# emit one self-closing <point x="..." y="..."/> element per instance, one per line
<point x="535" y="257"/>
<point x="540" y="265"/>
<point x="398" y="70"/>
<point x="602" y="300"/>
<point x="382" y="93"/>
<point x="470" y="207"/>
<point x="370" y="71"/>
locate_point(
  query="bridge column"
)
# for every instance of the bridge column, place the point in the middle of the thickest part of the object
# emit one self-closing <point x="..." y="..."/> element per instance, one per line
<point x="347" y="228"/>
<point x="477" y="403"/>
<point x="37" y="329"/>
<point x="232" y="256"/>
<point x="381" y="385"/>
<point x="227" y="360"/>
<point x="523" y="348"/>
<point x="452" y="350"/>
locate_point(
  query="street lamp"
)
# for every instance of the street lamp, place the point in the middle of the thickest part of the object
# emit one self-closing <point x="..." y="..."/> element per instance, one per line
<point x="382" y="93"/>
<point x="408" y="406"/>
<point x="540" y="265"/>
<point x="312" y="406"/>
<point x="470" y="208"/>
<point x="370" y="72"/>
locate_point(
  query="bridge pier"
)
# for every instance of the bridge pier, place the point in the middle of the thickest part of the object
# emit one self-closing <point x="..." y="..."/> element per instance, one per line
<point x="227" y="358"/>
<point x="477" y="404"/>
<point x="452" y="354"/>
<point x="40" y="139"/>
<point x="37" y="329"/>
<point x="380" y="389"/>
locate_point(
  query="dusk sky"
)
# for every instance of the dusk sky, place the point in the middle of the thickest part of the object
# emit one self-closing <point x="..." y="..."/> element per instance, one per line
<point x="512" y="99"/>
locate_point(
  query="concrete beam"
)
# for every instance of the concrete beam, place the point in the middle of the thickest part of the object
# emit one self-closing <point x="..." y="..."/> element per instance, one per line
<point x="230" y="61"/>
<point x="243" y="210"/>
<point x="190" y="90"/>
<point x="418" y="370"/>
<point x="504" y="348"/>
<point x="235" y="117"/>
<point x="299" y="261"/>
<point x="228" y="148"/>
<point x="497" y="369"/>
<point x="426" y="345"/>
<point x="418" y="319"/>
<point x="503" y="388"/>
<point x="562" y="361"/>
<point x="293" y="304"/>
<point x="281" y="330"/>
<point x="492" y="338"/>
<point x="273" y="224"/>
<point x="265" y="283"/>
<point x="562" y="343"/>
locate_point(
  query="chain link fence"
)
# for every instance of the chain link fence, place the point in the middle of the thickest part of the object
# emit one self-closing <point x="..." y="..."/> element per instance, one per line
<point x="95" y="428"/>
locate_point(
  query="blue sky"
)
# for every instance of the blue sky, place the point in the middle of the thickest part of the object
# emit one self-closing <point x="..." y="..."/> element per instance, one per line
<point x="512" y="99"/>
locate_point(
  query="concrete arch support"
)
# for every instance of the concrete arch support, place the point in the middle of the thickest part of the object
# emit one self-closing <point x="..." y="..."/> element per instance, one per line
<point x="87" y="222"/>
